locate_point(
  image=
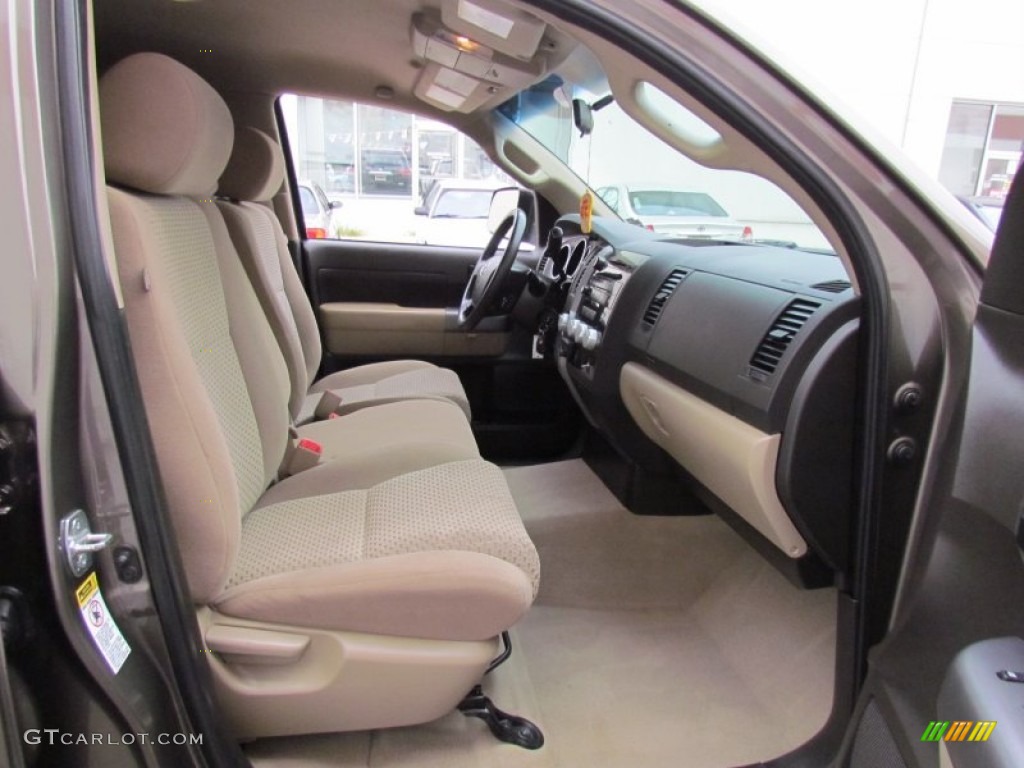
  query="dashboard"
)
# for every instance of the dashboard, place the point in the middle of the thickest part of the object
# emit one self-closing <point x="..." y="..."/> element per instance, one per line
<point x="733" y="365"/>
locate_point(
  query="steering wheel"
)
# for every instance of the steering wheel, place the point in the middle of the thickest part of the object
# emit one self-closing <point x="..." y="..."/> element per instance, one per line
<point x="491" y="271"/>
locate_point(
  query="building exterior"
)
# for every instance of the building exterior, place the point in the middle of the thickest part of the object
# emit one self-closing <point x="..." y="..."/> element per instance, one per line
<point x="941" y="79"/>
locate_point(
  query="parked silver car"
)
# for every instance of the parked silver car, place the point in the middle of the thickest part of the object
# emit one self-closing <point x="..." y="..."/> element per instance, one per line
<point x="674" y="212"/>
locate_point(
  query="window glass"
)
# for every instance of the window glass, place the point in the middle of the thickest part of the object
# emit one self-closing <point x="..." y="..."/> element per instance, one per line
<point x="983" y="149"/>
<point x="611" y="196"/>
<point x="385" y="165"/>
<point x="660" y="202"/>
<point x="965" y="147"/>
<point x="648" y="181"/>
<point x="463" y="204"/>
<point x="309" y="207"/>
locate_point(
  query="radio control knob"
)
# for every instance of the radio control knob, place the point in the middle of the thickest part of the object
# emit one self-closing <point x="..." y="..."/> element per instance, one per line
<point x="563" y="321"/>
<point x="591" y="338"/>
<point x="576" y="328"/>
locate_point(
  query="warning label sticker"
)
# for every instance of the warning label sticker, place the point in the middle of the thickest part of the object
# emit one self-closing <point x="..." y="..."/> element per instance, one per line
<point x="100" y="623"/>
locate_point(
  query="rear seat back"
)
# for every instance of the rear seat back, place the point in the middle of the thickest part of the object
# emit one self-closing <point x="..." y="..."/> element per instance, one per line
<point x="255" y="173"/>
<point x="213" y="379"/>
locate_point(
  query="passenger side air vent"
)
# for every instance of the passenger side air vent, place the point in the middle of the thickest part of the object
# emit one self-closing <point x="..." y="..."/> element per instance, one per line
<point x="774" y="344"/>
<point x="832" y="286"/>
<point x="670" y="283"/>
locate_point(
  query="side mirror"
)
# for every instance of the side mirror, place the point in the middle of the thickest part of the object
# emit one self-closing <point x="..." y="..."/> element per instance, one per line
<point x="334" y="204"/>
<point x="503" y="202"/>
<point x="421" y="210"/>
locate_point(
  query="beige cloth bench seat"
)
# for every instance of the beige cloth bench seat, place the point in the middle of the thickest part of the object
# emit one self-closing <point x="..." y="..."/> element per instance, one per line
<point x="252" y="177"/>
<point x="389" y="440"/>
<point x="407" y="557"/>
<point x="366" y="592"/>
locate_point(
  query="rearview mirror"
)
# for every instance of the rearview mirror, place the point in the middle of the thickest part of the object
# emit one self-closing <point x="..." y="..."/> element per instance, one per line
<point x="503" y="202"/>
<point x="582" y="116"/>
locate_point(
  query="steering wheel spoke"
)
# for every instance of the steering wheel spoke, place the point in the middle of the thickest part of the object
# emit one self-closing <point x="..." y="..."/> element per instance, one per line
<point x="491" y="272"/>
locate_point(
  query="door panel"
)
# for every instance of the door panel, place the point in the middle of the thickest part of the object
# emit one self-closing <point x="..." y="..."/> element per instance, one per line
<point x="381" y="300"/>
<point x="376" y="301"/>
<point x="396" y="273"/>
<point x="935" y="679"/>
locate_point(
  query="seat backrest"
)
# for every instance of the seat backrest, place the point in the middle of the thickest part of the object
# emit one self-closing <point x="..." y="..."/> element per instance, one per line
<point x="252" y="178"/>
<point x="214" y="382"/>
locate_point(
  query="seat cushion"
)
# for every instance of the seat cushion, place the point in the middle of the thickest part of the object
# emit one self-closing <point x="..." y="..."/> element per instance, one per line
<point x="436" y="554"/>
<point x="375" y="444"/>
<point x="396" y="380"/>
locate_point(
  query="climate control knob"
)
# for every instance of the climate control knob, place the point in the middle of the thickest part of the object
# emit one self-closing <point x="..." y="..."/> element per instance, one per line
<point x="576" y="329"/>
<point x="563" y="321"/>
<point x="591" y="339"/>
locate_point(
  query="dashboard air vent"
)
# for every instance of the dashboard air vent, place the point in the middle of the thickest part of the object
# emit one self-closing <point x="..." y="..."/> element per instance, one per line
<point x="832" y="286"/>
<point x="769" y="352"/>
<point x="668" y="285"/>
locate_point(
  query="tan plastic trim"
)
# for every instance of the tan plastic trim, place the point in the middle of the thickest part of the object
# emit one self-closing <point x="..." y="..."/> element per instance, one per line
<point x="342" y="681"/>
<point x="945" y="761"/>
<point x="358" y="328"/>
<point x="369" y="316"/>
<point x="367" y="328"/>
<point x="248" y="645"/>
<point x="734" y="460"/>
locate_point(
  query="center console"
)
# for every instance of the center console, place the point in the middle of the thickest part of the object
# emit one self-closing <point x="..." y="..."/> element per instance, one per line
<point x="595" y="289"/>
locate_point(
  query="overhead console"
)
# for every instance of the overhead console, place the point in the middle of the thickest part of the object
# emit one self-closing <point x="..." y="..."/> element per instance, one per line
<point x="481" y="51"/>
<point x="735" y="362"/>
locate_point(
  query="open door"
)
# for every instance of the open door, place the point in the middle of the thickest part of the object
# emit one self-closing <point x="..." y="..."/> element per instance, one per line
<point x="947" y="685"/>
<point x="10" y="748"/>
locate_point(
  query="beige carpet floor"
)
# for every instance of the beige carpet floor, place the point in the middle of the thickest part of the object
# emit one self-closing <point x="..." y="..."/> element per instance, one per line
<point x="654" y="642"/>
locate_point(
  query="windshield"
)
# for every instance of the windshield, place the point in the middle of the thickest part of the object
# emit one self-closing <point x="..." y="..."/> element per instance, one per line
<point x="385" y="159"/>
<point x="656" y="202"/>
<point x="463" y="204"/>
<point x="648" y="181"/>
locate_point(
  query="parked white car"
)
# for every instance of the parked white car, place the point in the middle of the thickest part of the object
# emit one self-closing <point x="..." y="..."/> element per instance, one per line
<point x="317" y="210"/>
<point x="674" y="212"/>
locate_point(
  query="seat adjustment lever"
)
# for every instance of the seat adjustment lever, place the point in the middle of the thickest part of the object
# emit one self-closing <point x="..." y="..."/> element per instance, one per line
<point x="505" y="727"/>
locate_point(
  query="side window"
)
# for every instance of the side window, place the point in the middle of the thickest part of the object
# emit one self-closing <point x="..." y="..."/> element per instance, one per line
<point x="400" y="178"/>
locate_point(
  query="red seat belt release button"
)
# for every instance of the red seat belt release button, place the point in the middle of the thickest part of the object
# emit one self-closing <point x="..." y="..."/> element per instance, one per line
<point x="305" y="444"/>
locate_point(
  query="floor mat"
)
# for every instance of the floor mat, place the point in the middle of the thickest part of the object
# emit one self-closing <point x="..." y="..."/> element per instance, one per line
<point x="655" y="641"/>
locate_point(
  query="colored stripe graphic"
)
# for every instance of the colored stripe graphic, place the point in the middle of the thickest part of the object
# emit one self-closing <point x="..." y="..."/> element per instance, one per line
<point x="958" y="730"/>
<point x="982" y="730"/>
<point x="935" y="731"/>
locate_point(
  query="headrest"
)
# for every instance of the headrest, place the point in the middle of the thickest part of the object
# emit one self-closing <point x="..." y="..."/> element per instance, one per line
<point x="165" y="130"/>
<point x="255" y="171"/>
